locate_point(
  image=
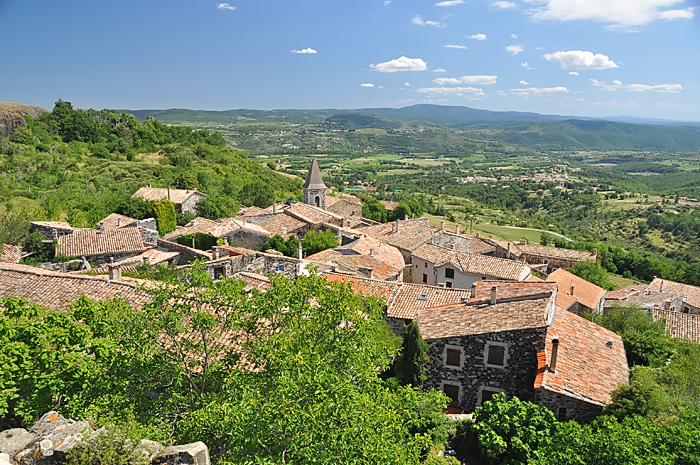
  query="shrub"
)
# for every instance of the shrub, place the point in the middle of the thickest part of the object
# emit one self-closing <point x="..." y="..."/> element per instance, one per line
<point x="166" y="216"/>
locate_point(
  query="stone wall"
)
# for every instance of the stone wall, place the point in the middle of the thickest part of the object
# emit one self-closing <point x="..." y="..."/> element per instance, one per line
<point x="148" y="223"/>
<point x="188" y="254"/>
<point x="576" y="409"/>
<point x="246" y="238"/>
<point x="260" y="263"/>
<point x="553" y="264"/>
<point x="395" y="324"/>
<point x="346" y="209"/>
<point x="149" y="236"/>
<point x="515" y="378"/>
<point x="50" y="232"/>
<point x="190" y="204"/>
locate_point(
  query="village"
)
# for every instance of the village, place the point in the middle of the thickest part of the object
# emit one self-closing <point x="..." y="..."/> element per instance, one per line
<point x="499" y="316"/>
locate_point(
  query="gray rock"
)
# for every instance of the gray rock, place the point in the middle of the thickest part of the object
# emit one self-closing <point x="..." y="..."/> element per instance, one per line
<point x="189" y="454"/>
<point x="145" y="451"/>
<point x="49" y="422"/>
<point x="46" y="447"/>
<point x="14" y="440"/>
<point x="4" y="459"/>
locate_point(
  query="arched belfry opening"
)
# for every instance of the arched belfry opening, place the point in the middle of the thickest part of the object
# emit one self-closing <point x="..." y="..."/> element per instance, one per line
<point x="314" y="190"/>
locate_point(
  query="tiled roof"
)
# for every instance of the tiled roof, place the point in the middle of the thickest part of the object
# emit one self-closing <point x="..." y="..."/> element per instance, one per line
<point x="113" y="221"/>
<point x="330" y="200"/>
<point x="218" y="228"/>
<point x="314" y="180"/>
<point x="414" y="298"/>
<point x="481" y="318"/>
<point x="515" y="252"/>
<point x="235" y="251"/>
<point x="10" y="254"/>
<point x="565" y="301"/>
<point x="513" y="290"/>
<point x="59" y="290"/>
<point x="254" y="281"/>
<point x="622" y="294"/>
<point x="465" y="242"/>
<point x="282" y="224"/>
<point x="177" y="196"/>
<point x="586" y="293"/>
<point x="382" y="252"/>
<point x="586" y="367"/>
<point x="365" y="286"/>
<point x="680" y="325"/>
<point x="311" y="214"/>
<point x="409" y="237"/>
<point x="555" y="252"/>
<point x="389" y="205"/>
<point x="474" y="264"/>
<point x="153" y="255"/>
<point x="89" y="242"/>
<point x="355" y="263"/>
<point x="691" y="293"/>
<point x="53" y="224"/>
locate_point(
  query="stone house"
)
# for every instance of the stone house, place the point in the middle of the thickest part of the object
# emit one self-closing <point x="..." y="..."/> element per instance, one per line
<point x="51" y="230"/>
<point x="678" y="324"/>
<point x="258" y="263"/>
<point x="365" y="257"/>
<point x="237" y="232"/>
<point x="436" y="265"/>
<point x="640" y="296"/>
<point x="691" y="294"/>
<point x="185" y="200"/>
<point x="461" y="242"/>
<point x="101" y="246"/>
<point x="147" y="227"/>
<point x="533" y="254"/>
<point x="347" y="207"/>
<point x="576" y="294"/>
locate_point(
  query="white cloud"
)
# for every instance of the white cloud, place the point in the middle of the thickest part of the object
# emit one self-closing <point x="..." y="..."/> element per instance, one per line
<point x="367" y="84"/>
<point x="573" y="73"/>
<point x="477" y="36"/>
<point x="616" y="85"/>
<point x="539" y="90"/>
<point x="515" y="49"/>
<point x="525" y="65"/>
<point x="407" y="84"/>
<point x="401" y="64"/>
<point x="514" y="36"/>
<point x="438" y="70"/>
<point x="225" y="6"/>
<point x="579" y="59"/>
<point x="500" y="92"/>
<point x="503" y="5"/>
<point x="479" y="80"/>
<point x="417" y="20"/>
<point x="524" y="83"/>
<point x="304" y="50"/>
<point x="459" y="91"/>
<point x="619" y="14"/>
<point x="450" y="3"/>
<point x="386" y="2"/>
<point x="461" y="47"/>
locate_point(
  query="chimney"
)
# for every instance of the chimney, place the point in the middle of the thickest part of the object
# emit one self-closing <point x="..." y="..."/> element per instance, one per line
<point x="494" y="292"/>
<point x="395" y="228"/>
<point x="372" y="252"/>
<point x="473" y="290"/>
<point x="284" y="231"/>
<point x="523" y="241"/>
<point x="595" y="252"/>
<point x="214" y="253"/>
<point x="146" y="261"/>
<point x="553" y="362"/>
<point x="115" y="272"/>
<point x="225" y="240"/>
<point x="572" y="289"/>
<point x="442" y="226"/>
<point x="661" y="287"/>
<point x="457" y="229"/>
<point x="452" y="246"/>
<point x="274" y="208"/>
<point x="478" y="235"/>
<point x="369" y="272"/>
<point x="341" y="194"/>
<point x="55" y="234"/>
<point x="345" y="223"/>
<point x="299" y="253"/>
<point x="405" y="217"/>
<point x="509" y="246"/>
<point x="119" y="223"/>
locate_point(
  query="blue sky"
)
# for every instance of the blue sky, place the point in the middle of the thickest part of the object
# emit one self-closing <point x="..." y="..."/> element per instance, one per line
<point x="571" y="57"/>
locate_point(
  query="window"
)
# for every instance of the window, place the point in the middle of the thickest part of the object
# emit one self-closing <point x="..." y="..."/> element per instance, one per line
<point x="448" y="284"/>
<point x="486" y="393"/>
<point x="450" y="273"/>
<point x="561" y="415"/>
<point x="453" y="357"/>
<point x="425" y="278"/>
<point x="496" y="354"/>
<point x="452" y="391"/>
<point x="279" y="269"/>
<point x="425" y="264"/>
<point x="219" y="272"/>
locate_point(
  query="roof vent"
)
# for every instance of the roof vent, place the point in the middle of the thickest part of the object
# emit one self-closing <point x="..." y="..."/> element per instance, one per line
<point x="609" y="344"/>
<point x="422" y="297"/>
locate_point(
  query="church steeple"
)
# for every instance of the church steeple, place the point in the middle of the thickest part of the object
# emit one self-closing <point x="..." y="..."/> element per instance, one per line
<point x="314" y="190"/>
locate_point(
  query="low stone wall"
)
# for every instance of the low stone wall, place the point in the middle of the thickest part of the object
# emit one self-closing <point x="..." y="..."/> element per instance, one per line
<point x="567" y="408"/>
<point x="51" y="438"/>
<point x="187" y="255"/>
<point x="260" y="263"/>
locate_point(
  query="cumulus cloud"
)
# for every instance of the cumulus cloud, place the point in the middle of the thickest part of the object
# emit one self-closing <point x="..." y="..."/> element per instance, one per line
<point x="459" y="91"/>
<point x="525" y="65"/>
<point x="539" y="90"/>
<point x="524" y="83"/>
<point x="579" y="59"/>
<point x="417" y="20"/>
<point x="304" y="51"/>
<point x="573" y="73"/>
<point x="479" y="80"/>
<point x="438" y="70"/>
<point x="367" y="84"/>
<point x="225" y="6"/>
<point x="515" y="49"/>
<point x="461" y="47"/>
<point x="450" y="3"/>
<point x="477" y="37"/>
<point x="406" y="83"/>
<point x="618" y="14"/>
<point x="386" y="2"/>
<point x="514" y="36"/>
<point x="617" y="85"/>
<point x="503" y="5"/>
<point x="400" y="64"/>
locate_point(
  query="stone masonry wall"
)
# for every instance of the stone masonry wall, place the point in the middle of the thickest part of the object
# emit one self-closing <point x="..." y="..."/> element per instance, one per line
<point x="576" y="409"/>
<point x="553" y="264"/>
<point x="516" y="378"/>
<point x="264" y="264"/>
<point x="190" y="204"/>
<point x="247" y="239"/>
<point x="187" y="255"/>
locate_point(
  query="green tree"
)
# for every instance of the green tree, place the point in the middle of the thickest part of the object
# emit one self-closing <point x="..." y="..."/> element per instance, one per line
<point x="407" y="208"/>
<point x="315" y="242"/>
<point x="411" y="365"/>
<point x="287" y="247"/>
<point x="187" y="180"/>
<point x="374" y="210"/>
<point x="592" y="272"/>
<point x="257" y="193"/>
<point x="166" y="216"/>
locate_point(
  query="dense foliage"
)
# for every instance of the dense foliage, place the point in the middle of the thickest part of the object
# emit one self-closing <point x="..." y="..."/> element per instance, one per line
<point x="412" y="364"/>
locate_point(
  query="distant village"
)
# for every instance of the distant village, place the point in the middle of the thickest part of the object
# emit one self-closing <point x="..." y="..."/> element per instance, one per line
<point x="499" y="316"/>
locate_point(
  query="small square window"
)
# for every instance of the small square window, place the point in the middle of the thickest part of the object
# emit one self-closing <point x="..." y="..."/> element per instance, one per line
<point x="452" y="391"/>
<point x="425" y="278"/>
<point x="425" y="264"/>
<point x="448" y="284"/>
<point x="487" y="394"/>
<point x="450" y="273"/>
<point x="454" y="357"/>
<point x="280" y="269"/>
<point x="496" y="355"/>
<point x="561" y="416"/>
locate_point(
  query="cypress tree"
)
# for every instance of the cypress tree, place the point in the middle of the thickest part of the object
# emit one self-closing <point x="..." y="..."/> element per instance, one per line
<point x="411" y="364"/>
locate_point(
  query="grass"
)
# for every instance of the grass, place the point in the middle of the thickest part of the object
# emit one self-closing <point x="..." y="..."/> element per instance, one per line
<point x="619" y="282"/>
<point x="508" y="234"/>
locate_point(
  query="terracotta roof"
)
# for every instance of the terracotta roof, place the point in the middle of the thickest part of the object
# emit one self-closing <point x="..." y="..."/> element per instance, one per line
<point x="625" y="293"/>
<point x="389" y="205"/>
<point x="365" y="286"/>
<point x="89" y="242"/>
<point x="236" y="251"/>
<point x="10" y="254"/>
<point x="330" y="200"/>
<point x="474" y="264"/>
<point x="282" y="224"/>
<point x="113" y="221"/>
<point x="691" y="293"/>
<point x="555" y="252"/>
<point x="586" y="293"/>
<point x="177" y="196"/>
<point x="355" y="263"/>
<point x="314" y="180"/>
<point x="53" y="224"/>
<point x="515" y="252"/>
<point x="254" y="281"/>
<point x="218" y="228"/>
<point x="409" y="237"/>
<point x="382" y="252"/>
<point x="414" y="298"/>
<point x="680" y="325"/>
<point x="154" y="256"/>
<point x="513" y="290"/>
<point x="59" y="290"/>
<point x="587" y="367"/>
<point x="311" y="214"/>
<point x="481" y="318"/>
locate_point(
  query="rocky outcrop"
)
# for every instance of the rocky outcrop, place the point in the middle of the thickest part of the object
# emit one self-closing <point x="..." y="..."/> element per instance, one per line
<point x="12" y="116"/>
<point x="53" y="436"/>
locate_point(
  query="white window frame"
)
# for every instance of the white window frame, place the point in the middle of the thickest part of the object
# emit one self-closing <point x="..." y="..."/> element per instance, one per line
<point x="479" y="396"/>
<point x="505" y="353"/>
<point x="453" y="383"/>
<point x="461" y="357"/>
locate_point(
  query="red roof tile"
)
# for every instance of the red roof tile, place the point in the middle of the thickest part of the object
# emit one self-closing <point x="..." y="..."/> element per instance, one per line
<point x="115" y="220"/>
<point x="176" y="196"/>
<point x="585" y="292"/>
<point x="89" y="242"/>
<point x="474" y="264"/>
<point x="622" y="294"/>
<point x="680" y="325"/>
<point x="691" y="293"/>
<point x="10" y="254"/>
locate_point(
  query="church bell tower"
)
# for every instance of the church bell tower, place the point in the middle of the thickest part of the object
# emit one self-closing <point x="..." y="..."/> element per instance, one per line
<point x="313" y="190"/>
